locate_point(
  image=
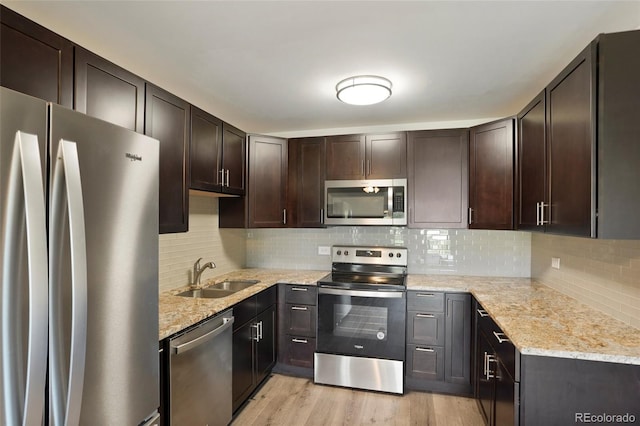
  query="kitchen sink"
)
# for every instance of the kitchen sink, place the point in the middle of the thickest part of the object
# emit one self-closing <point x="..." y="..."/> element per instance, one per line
<point x="218" y="290"/>
<point x="234" y="285"/>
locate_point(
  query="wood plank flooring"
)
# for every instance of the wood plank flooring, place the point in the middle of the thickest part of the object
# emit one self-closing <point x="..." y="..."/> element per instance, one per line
<point x="285" y="400"/>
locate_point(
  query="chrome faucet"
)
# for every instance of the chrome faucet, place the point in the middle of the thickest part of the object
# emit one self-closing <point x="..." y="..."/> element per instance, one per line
<point x="197" y="271"/>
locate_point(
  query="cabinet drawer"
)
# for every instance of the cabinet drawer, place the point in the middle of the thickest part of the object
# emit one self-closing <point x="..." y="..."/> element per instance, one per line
<point x="425" y="301"/>
<point x="299" y="351"/>
<point x="244" y="312"/>
<point x="300" y="320"/>
<point x="426" y="328"/>
<point x="301" y="294"/>
<point x="266" y="298"/>
<point x="425" y="362"/>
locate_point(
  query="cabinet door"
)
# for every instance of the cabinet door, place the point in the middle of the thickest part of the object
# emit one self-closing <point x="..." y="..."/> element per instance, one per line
<point x="345" y="157"/>
<point x="308" y="192"/>
<point x="484" y="382"/>
<point x="167" y="119"/>
<point x="425" y="362"/>
<point x="458" y="339"/>
<point x="300" y="320"/>
<point x="532" y="165"/>
<point x="505" y="413"/>
<point x="234" y="142"/>
<point x="267" y="182"/>
<point x="299" y="351"/>
<point x="438" y="178"/>
<point x="266" y="345"/>
<point x="386" y="156"/>
<point x="34" y="60"/>
<point x="108" y="92"/>
<point x="570" y="127"/>
<point x="426" y="328"/>
<point x="491" y="176"/>
<point x="243" y="356"/>
<point x="205" y="148"/>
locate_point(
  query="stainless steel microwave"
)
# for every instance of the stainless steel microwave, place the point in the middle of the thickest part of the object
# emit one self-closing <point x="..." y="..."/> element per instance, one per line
<point x="365" y="202"/>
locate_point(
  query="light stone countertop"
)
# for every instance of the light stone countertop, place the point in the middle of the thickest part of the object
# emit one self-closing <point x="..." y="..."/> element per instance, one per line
<point x="542" y="321"/>
<point x="537" y="319"/>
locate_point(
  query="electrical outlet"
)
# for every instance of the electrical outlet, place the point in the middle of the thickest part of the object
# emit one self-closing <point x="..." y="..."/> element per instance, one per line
<point x="555" y="262"/>
<point x="324" y="250"/>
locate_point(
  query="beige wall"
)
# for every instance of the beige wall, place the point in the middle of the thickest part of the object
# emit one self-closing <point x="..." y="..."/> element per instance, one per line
<point x="225" y="247"/>
<point x="604" y="274"/>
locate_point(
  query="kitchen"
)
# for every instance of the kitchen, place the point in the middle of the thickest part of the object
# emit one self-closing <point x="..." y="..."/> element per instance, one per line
<point x="589" y="269"/>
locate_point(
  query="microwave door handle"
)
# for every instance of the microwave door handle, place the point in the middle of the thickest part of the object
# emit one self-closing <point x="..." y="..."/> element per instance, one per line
<point x="390" y="201"/>
<point x="25" y="208"/>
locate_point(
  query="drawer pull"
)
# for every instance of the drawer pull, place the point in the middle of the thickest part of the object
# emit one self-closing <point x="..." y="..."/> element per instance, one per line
<point x="425" y="295"/>
<point x="501" y="337"/>
<point x="425" y="316"/>
<point x="425" y="350"/>
<point x="298" y="289"/>
<point x="299" y="308"/>
<point x="482" y="313"/>
<point x="305" y="341"/>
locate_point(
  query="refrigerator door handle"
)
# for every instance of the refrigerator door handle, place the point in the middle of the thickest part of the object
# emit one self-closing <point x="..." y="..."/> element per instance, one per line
<point x="66" y="199"/>
<point x="26" y="208"/>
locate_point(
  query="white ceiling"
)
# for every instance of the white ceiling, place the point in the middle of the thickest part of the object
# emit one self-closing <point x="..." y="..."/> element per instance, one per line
<point x="272" y="66"/>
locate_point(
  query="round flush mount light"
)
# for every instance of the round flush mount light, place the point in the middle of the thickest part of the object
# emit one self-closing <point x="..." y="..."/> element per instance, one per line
<point x="363" y="90"/>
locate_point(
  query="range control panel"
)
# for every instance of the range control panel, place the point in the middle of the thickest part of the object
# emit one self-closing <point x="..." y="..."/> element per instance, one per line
<point x="396" y="256"/>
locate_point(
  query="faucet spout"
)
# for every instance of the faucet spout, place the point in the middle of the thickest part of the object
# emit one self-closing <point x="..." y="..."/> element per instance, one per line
<point x="197" y="271"/>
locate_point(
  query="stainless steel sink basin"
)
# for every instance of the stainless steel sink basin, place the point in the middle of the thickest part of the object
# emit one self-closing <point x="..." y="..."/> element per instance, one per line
<point x="206" y="293"/>
<point x="218" y="290"/>
<point x="234" y="285"/>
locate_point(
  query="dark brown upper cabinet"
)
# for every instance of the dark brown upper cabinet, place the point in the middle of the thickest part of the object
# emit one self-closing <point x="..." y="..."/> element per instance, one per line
<point x="305" y="196"/>
<point x="108" y="92"/>
<point x="206" y="148"/>
<point x="267" y="182"/>
<point x="34" y="60"/>
<point x="233" y="159"/>
<point x="382" y="156"/>
<point x="167" y="119"/>
<point x="532" y="165"/>
<point x="491" y="164"/>
<point x="438" y="178"/>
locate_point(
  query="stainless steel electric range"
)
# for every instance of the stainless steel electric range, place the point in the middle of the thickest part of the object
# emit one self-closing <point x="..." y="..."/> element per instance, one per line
<point x="361" y="319"/>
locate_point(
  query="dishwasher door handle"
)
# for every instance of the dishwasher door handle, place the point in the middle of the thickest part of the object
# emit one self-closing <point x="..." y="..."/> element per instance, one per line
<point x="179" y="349"/>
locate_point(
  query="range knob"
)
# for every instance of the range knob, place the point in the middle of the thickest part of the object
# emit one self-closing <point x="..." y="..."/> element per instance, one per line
<point x="390" y="254"/>
<point x="339" y="252"/>
<point x="346" y="252"/>
<point x="398" y="255"/>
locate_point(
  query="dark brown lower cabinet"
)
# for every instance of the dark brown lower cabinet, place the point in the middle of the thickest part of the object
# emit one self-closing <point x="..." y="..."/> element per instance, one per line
<point x="438" y="356"/>
<point x="254" y="344"/>
<point x="297" y="312"/>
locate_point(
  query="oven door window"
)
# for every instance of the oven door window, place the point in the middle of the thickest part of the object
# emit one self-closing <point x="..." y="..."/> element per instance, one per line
<point x="362" y="326"/>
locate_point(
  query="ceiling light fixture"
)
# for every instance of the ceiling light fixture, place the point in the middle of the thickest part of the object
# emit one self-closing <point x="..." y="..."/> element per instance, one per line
<point x="363" y="90"/>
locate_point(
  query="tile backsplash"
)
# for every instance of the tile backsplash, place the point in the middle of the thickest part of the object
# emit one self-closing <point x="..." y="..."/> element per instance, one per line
<point x="225" y="247"/>
<point x="441" y="251"/>
<point x="604" y="274"/>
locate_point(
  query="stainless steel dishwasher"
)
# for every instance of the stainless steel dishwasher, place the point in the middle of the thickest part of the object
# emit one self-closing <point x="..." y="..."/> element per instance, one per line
<point x="200" y="374"/>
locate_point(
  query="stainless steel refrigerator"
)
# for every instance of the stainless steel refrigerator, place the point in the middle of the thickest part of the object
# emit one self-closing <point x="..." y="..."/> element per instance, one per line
<point x="79" y="265"/>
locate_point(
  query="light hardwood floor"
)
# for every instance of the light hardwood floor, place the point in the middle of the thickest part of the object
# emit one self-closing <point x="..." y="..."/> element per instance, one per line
<point x="284" y="401"/>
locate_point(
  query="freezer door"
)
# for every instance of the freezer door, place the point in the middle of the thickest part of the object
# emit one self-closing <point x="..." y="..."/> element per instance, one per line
<point x="23" y="259"/>
<point x="119" y="183"/>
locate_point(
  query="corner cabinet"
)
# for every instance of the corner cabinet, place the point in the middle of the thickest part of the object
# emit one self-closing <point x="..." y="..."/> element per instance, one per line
<point x="590" y="174"/>
<point x="438" y="178"/>
<point x="254" y="343"/>
<point x="167" y="119"/>
<point x="438" y="354"/>
<point x="306" y="171"/>
<point x="108" y="92"/>
<point x="35" y="60"/>
<point x="491" y="173"/>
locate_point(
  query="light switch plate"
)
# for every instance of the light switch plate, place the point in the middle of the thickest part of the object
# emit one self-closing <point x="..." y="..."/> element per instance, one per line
<point x="555" y="262"/>
<point x="324" y="250"/>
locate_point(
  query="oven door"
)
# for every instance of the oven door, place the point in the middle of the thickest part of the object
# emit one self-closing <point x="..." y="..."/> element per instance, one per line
<point x="365" y="323"/>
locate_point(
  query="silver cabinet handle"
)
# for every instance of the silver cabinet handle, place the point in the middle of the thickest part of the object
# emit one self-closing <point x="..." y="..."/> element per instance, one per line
<point x="299" y="308"/>
<point x="425" y="316"/>
<point x="222" y="177"/>
<point x="470" y="216"/>
<point x="298" y="289"/>
<point x="425" y="350"/>
<point x="363" y="171"/>
<point x="179" y="349"/>
<point x="425" y="295"/>
<point x="501" y="337"/>
<point x="300" y="341"/>
<point x="257" y="338"/>
<point x="66" y="198"/>
<point x="260" y="336"/>
<point x="542" y="219"/>
<point x="227" y="173"/>
<point x="321" y="215"/>
<point x="538" y="214"/>
<point x="368" y="167"/>
<point x="489" y="359"/>
<point x="284" y="216"/>
<point x="25" y="206"/>
<point x="482" y="313"/>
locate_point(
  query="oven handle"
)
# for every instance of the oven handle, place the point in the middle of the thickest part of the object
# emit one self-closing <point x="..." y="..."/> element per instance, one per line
<point x="361" y="293"/>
